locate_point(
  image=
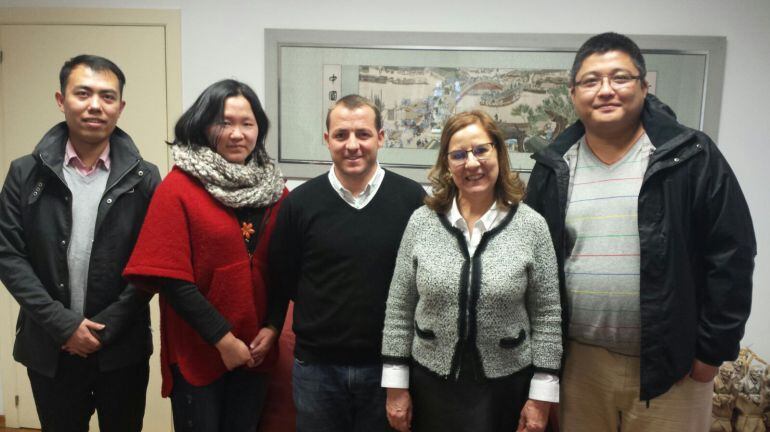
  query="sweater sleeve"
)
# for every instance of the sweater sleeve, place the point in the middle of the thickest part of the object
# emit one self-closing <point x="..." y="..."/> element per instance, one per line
<point x="163" y="249"/>
<point x="398" y="331"/>
<point x="543" y="302"/>
<point x="188" y="302"/>
<point x="284" y="260"/>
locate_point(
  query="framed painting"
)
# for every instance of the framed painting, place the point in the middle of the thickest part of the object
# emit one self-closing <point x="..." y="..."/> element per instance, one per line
<point x="418" y="80"/>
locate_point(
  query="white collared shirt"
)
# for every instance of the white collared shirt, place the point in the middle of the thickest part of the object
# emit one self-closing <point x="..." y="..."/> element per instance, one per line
<point x="489" y="220"/>
<point x="366" y="196"/>
<point x="543" y="386"/>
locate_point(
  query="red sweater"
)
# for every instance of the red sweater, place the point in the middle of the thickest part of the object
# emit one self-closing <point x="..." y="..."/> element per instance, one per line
<point x="190" y="236"/>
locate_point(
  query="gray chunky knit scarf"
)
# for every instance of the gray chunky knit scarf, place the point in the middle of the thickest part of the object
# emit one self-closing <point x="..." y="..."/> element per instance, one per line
<point x="234" y="185"/>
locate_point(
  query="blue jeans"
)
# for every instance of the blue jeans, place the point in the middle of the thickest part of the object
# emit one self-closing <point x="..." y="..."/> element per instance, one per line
<point x="332" y="398"/>
<point x="232" y="403"/>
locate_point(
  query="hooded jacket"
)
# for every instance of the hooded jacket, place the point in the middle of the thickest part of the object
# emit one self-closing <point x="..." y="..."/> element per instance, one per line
<point x="697" y="246"/>
<point x="35" y="228"/>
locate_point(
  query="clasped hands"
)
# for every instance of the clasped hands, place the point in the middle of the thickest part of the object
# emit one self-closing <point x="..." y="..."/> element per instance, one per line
<point x="236" y="353"/>
<point x="84" y="340"/>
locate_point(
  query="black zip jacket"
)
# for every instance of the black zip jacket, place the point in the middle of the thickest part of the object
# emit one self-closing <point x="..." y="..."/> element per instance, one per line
<point x="696" y="240"/>
<point x="35" y="226"/>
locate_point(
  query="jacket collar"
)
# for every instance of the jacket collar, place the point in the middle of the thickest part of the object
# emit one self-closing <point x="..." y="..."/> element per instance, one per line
<point x="658" y="119"/>
<point x="123" y="151"/>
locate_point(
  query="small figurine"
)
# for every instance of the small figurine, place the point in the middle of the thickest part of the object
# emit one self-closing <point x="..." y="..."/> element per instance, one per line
<point x="750" y="402"/>
<point x="740" y="366"/>
<point x="723" y="399"/>
<point x="767" y="397"/>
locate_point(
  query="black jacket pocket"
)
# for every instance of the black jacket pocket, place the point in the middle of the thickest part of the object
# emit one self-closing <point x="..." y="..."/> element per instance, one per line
<point x="513" y="342"/>
<point x="424" y="334"/>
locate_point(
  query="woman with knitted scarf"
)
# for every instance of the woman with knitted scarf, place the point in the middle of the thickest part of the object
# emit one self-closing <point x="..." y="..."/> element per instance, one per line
<point x="203" y="246"/>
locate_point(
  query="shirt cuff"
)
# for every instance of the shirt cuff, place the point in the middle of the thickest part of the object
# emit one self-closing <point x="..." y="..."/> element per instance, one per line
<point x="543" y="387"/>
<point x="397" y="376"/>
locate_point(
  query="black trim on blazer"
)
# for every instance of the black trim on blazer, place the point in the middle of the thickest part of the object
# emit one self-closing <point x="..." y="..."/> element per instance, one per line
<point x="424" y="333"/>
<point x="466" y="303"/>
<point x="554" y="372"/>
<point x="526" y="369"/>
<point x="407" y="361"/>
<point x="513" y="341"/>
<point x="462" y="294"/>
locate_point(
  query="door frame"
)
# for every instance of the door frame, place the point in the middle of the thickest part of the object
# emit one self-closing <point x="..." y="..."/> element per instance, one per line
<point x="170" y="21"/>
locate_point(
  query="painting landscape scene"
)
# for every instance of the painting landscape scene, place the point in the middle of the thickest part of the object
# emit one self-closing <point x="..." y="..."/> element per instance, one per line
<point x="530" y="106"/>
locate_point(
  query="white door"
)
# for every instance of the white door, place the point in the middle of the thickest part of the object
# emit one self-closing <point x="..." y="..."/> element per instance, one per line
<point x="31" y="58"/>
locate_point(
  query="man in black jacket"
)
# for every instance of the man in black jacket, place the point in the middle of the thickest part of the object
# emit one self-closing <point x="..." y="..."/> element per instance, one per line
<point x="70" y="213"/>
<point x="655" y="246"/>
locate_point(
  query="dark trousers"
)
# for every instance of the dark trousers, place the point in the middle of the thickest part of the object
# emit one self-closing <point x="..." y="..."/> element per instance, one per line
<point x="232" y="403"/>
<point x="67" y="401"/>
<point x="335" y="398"/>
<point x="471" y="403"/>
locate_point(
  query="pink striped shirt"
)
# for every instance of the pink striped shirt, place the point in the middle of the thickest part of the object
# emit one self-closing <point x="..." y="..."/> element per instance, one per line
<point x="72" y="159"/>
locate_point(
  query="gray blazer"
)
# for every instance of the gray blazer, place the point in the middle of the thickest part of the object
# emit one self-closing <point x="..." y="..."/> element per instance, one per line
<point x="508" y="290"/>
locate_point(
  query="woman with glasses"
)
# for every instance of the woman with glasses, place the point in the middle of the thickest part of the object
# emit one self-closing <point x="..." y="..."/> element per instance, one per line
<point x="472" y="337"/>
<point x="203" y="246"/>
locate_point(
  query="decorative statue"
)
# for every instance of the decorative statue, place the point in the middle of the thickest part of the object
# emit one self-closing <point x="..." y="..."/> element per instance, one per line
<point x="767" y="397"/>
<point x="767" y="383"/>
<point x="741" y="366"/>
<point x="750" y="402"/>
<point x="723" y="399"/>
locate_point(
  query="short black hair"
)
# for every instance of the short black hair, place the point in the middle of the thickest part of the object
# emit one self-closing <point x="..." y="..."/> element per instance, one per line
<point x="93" y="62"/>
<point x="354" y="101"/>
<point x="606" y="42"/>
<point x="192" y="127"/>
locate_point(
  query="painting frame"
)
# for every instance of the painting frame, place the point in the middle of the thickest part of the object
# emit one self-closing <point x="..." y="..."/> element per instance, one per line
<point x="304" y="156"/>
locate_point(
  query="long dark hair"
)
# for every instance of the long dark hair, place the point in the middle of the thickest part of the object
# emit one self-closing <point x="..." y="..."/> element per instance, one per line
<point x="192" y="127"/>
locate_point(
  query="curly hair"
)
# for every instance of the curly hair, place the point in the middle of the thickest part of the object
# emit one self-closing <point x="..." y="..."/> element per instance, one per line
<point x="509" y="189"/>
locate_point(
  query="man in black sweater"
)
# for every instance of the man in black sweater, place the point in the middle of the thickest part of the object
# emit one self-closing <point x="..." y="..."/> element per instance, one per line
<point x="333" y="253"/>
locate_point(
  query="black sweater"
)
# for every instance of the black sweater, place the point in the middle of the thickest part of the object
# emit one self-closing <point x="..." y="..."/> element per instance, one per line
<point x="336" y="263"/>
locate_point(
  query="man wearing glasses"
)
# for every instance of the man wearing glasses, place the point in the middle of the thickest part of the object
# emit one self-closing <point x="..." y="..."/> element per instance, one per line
<point x="655" y="246"/>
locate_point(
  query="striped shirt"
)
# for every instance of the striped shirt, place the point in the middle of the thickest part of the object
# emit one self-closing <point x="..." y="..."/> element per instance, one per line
<point x="602" y="269"/>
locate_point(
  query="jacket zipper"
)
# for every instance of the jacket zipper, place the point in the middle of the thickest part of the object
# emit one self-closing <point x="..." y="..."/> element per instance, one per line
<point x="69" y="236"/>
<point x="96" y="229"/>
<point x="65" y="280"/>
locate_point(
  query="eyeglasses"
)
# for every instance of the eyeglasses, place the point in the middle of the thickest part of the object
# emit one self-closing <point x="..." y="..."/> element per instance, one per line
<point x="593" y="83"/>
<point x="481" y="152"/>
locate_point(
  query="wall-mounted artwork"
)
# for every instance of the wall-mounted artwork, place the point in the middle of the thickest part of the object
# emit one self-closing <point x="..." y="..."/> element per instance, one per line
<point x="530" y="106"/>
<point x="418" y="80"/>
